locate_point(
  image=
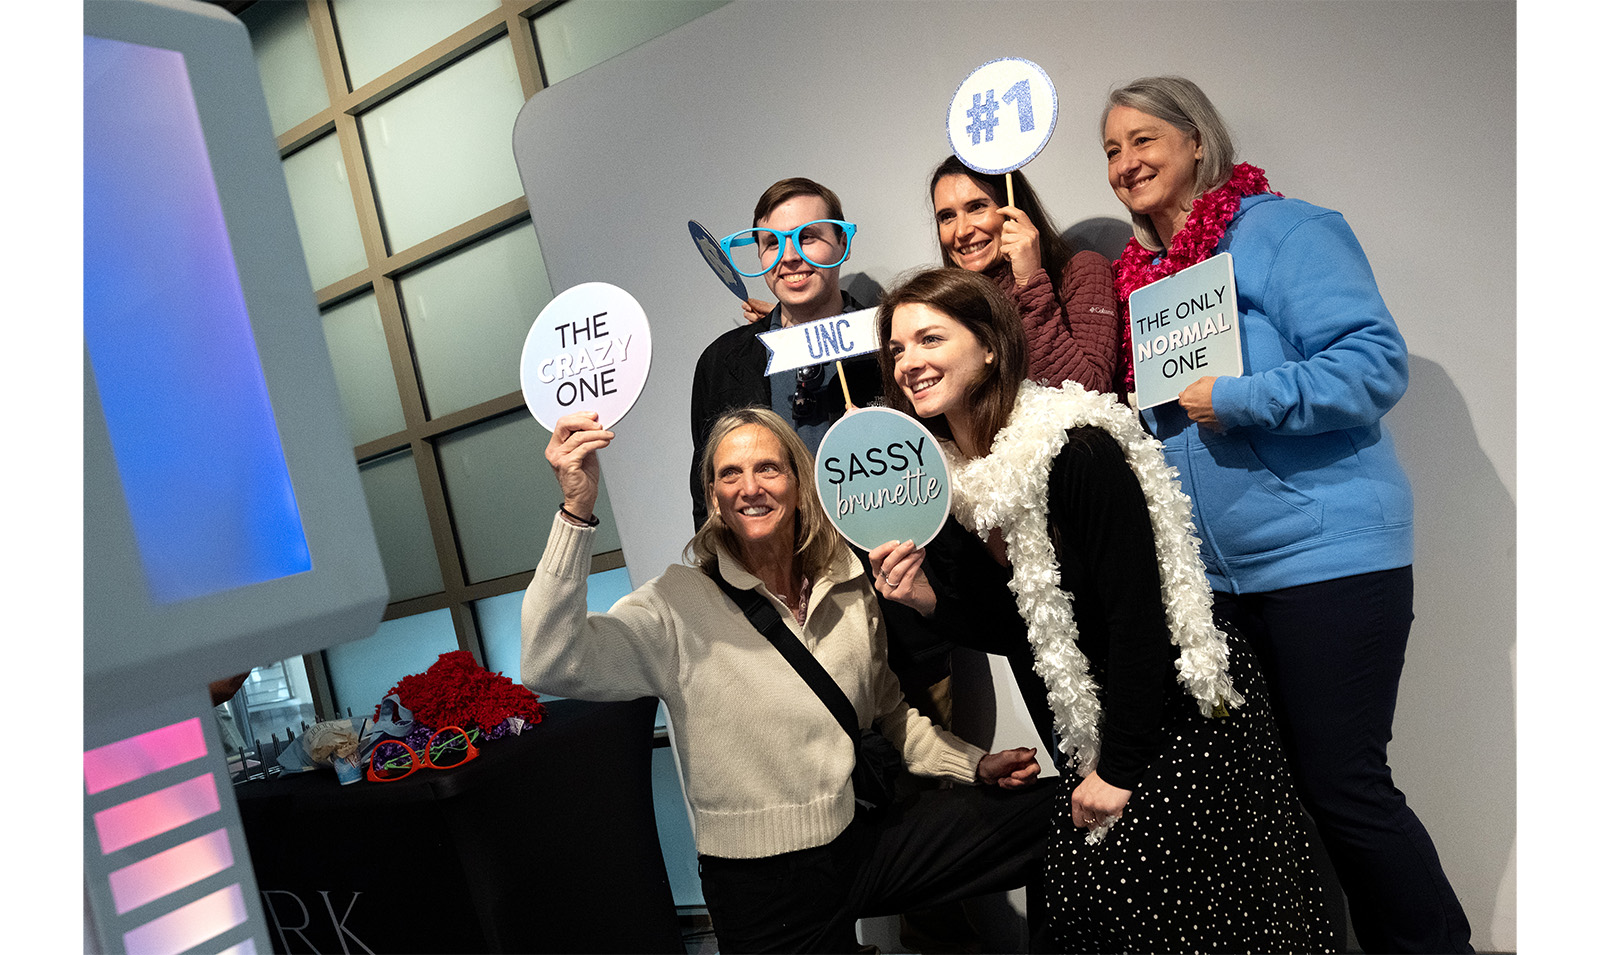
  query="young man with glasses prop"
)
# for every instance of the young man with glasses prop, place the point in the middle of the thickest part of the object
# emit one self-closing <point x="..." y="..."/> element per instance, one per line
<point x="798" y="241"/>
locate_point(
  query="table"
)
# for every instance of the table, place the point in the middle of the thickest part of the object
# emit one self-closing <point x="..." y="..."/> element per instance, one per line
<point x="544" y="843"/>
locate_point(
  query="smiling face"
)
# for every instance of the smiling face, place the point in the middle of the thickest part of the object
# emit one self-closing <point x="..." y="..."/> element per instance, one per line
<point x="1151" y="166"/>
<point x="969" y="220"/>
<point x="937" y="363"/>
<point x="801" y="287"/>
<point x="756" y="495"/>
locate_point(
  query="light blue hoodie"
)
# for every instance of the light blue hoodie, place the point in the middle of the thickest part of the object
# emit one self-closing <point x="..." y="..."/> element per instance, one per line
<point x="1303" y="485"/>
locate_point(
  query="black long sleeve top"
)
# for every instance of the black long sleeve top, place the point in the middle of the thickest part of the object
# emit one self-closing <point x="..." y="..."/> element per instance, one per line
<point x="1100" y="525"/>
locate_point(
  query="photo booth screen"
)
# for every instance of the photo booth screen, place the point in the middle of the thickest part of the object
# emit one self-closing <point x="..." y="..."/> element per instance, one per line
<point x="225" y="526"/>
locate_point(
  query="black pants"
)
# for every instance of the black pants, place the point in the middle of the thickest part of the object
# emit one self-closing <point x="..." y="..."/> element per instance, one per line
<point x="1332" y="653"/>
<point x="932" y="848"/>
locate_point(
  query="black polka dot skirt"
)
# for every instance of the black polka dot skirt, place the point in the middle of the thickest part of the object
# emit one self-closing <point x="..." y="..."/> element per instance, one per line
<point x="1211" y="853"/>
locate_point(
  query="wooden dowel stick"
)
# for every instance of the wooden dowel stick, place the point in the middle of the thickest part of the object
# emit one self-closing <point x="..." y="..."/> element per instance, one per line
<point x="844" y="384"/>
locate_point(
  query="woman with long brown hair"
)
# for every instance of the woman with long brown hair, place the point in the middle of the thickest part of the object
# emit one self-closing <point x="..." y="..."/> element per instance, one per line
<point x="1177" y="829"/>
<point x="1066" y="298"/>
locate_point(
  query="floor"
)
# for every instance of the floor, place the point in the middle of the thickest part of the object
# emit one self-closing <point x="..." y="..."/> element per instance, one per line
<point x="698" y="937"/>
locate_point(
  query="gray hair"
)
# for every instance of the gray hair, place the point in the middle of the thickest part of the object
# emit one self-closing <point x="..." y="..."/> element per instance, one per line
<point x="1183" y="104"/>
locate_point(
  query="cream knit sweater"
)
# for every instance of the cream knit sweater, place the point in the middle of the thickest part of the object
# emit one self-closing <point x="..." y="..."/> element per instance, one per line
<point x="766" y="766"/>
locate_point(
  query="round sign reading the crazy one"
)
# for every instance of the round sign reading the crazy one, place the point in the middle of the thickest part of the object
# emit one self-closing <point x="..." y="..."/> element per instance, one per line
<point x="589" y="350"/>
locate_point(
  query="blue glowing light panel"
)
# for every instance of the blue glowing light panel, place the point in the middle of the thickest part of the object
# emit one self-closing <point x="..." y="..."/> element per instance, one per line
<point x="169" y="338"/>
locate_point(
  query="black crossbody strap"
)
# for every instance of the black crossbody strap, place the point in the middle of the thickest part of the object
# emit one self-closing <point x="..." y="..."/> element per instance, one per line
<point x="764" y="617"/>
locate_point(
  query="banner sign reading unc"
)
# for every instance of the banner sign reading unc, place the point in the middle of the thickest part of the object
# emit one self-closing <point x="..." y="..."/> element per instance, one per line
<point x="882" y="477"/>
<point x="826" y="339"/>
<point x="1001" y="115"/>
<point x="712" y="253"/>
<point x="589" y="350"/>
<point x="1184" y="327"/>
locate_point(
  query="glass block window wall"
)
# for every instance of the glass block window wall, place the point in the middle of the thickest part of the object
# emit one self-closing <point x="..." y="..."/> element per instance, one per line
<point x="393" y="119"/>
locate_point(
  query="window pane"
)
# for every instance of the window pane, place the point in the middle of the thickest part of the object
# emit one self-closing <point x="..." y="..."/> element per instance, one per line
<point x="674" y="830"/>
<point x="502" y="496"/>
<point x="469" y="314"/>
<point x="286" y="54"/>
<point x="362" y="369"/>
<point x="500" y="629"/>
<point x="400" y="523"/>
<point x="275" y="699"/>
<point x="361" y="672"/>
<point x="580" y="33"/>
<point x="455" y="128"/>
<point x="500" y="621"/>
<point x="324" y="212"/>
<point x="379" y="35"/>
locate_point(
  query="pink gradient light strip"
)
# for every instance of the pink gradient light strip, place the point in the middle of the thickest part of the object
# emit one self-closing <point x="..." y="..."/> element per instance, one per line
<point x="161" y="811"/>
<point x="184" y="928"/>
<point x="246" y="947"/>
<point x="167" y="872"/>
<point x="126" y="760"/>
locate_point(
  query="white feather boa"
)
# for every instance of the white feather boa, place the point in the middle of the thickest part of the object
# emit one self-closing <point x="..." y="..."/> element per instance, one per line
<point x="1008" y="489"/>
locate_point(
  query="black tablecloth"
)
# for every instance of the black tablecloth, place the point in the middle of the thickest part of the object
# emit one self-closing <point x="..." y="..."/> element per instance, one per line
<point x="544" y="843"/>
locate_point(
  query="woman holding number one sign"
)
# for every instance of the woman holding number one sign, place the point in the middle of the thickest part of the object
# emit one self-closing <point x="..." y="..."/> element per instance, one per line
<point x="1068" y="303"/>
<point x="1178" y="830"/>
<point x="1304" y="508"/>
<point x="787" y="862"/>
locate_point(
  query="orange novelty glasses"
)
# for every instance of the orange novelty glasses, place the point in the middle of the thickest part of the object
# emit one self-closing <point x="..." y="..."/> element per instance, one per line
<point x="447" y="748"/>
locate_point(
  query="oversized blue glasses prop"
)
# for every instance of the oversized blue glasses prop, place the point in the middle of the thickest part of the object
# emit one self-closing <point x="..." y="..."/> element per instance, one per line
<point x="820" y="247"/>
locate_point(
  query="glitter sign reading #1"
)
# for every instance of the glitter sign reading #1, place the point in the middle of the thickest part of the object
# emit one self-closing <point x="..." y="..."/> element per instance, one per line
<point x="1001" y="115"/>
<point x="882" y="477"/>
<point x="589" y="350"/>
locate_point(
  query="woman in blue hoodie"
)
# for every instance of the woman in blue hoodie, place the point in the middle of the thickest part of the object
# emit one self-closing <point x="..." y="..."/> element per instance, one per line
<point x="1302" y="507"/>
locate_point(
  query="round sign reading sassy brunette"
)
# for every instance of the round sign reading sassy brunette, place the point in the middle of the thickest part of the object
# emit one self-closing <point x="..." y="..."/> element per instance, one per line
<point x="882" y="477"/>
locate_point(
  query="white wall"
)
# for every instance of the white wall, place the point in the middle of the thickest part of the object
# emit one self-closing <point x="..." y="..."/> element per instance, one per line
<point x="1398" y="114"/>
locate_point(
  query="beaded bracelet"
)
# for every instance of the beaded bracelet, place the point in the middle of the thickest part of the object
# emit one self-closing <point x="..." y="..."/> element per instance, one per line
<point x="592" y="521"/>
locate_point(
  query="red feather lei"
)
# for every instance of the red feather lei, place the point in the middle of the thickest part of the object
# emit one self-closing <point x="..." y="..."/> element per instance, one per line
<point x="1194" y="243"/>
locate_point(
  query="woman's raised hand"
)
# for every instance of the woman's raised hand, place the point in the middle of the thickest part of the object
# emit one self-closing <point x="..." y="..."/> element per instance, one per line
<point x="571" y="456"/>
<point x="1019" y="243"/>
<point x="755" y="309"/>
<point x="897" y="573"/>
